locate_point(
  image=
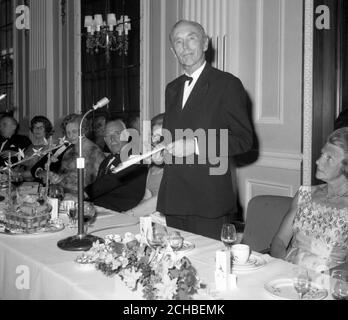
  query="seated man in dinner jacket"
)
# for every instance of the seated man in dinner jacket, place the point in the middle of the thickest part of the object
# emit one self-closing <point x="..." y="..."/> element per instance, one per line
<point x="124" y="190"/>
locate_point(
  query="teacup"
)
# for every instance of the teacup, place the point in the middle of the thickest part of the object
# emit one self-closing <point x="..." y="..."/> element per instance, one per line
<point x="240" y="253"/>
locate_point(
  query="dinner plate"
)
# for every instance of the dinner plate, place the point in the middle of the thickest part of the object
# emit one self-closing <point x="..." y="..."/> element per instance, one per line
<point x="255" y="262"/>
<point x="284" y="288"/>
<point x="50" y="228"/>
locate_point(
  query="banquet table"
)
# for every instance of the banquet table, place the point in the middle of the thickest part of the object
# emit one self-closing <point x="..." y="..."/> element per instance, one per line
<point x="55" y="275"/>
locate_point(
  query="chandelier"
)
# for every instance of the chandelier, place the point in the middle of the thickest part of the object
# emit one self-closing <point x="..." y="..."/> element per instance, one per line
<point x="111" y="35"/>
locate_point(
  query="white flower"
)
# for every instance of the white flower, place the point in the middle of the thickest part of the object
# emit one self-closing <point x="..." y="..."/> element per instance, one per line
<point x="37" y="152"/>
<point x="20" y="154"/>
<point x="167" y="289"/>
<point x="62" y="140"/>
<point x="130" y="277"/>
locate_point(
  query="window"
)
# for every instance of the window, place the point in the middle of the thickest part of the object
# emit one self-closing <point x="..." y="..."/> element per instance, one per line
<point x="119" y="79"/>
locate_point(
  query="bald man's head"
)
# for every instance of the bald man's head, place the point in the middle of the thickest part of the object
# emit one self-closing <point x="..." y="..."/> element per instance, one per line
<point x="8" y="126"/>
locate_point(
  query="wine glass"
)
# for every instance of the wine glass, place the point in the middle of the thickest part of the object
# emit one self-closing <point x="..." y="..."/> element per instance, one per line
<point x="228" y="235"/>
<point x="156" y="236"/>
<point x="73" y="216"/>
<point x="89" y="215"/>
<point x="339" y="284"/>
<point x="301" y="281"/>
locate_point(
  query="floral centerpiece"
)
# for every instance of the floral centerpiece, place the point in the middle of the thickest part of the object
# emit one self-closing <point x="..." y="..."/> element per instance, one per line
<point x="157" y="273"/>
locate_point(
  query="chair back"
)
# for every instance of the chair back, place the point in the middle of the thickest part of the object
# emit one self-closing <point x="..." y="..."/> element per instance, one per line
<point x="264" y="216"/>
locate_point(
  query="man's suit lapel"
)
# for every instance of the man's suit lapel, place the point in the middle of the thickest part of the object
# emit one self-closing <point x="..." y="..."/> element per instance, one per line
<point x="199" y="92"/>
<point x="175" y="95"/>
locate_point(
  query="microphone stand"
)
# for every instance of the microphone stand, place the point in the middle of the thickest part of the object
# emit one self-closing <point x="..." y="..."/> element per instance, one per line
<point x="82" y="241"/>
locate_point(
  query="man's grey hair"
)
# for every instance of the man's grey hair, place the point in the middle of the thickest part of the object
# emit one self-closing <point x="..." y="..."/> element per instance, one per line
<point x="117" y="121"/>
<point x="194" y="23"/>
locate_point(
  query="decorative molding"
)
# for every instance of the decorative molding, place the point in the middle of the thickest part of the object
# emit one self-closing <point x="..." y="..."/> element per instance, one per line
<point x="279" y="118"/>
<point x="144" y="60"/>
<point x="288" y="161"/>
<point x="307" y="93"/>
<point x="285" y="189"/>
<point x="259" y="59"/>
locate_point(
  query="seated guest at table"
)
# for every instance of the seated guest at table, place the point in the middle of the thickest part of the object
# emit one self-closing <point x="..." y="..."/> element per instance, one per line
<point x="154" y="176"/>
<point x="124" y="190"/>
<point x="99" y="123"/>
<point x="134" y="123"/>
<point x="10" y="141"/>
<point x="314" y="233"/>
<point x="66" y="176"/>
<point x="41" y="129"/>
<point x="342" y="119"/>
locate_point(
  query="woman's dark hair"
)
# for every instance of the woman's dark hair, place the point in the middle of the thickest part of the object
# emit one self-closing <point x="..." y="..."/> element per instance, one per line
<point x="47" y="125"/>
<point x="157" y="120"/>
<point x="74" y="118"/>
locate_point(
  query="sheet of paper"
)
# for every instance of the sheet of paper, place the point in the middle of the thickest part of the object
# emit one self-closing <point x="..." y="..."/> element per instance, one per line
<point x="136" y="159"/>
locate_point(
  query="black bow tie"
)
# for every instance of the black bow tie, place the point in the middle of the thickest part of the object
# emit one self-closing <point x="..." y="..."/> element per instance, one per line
<point x="187" y="78"/>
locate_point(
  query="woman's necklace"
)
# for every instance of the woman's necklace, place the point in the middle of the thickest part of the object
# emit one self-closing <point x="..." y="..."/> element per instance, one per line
<point x="336" y="196"/>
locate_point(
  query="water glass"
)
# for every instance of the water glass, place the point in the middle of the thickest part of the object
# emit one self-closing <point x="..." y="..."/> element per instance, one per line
<point x="156" y="236"/>
<point x="73" y="212"/>
<point x="228" y="235"/>
<point x="339" y="284"/>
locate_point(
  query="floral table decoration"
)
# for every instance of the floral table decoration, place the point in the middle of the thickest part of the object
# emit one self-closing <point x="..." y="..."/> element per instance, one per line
<point x="157" y="273"/>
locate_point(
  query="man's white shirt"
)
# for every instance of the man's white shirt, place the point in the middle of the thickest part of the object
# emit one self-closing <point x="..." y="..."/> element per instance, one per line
<point x="189" y="87"/>
<point x="187" y="91"/>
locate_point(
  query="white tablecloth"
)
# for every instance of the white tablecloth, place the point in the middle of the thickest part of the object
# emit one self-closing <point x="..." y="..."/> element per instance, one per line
<point x="55" y="275"/>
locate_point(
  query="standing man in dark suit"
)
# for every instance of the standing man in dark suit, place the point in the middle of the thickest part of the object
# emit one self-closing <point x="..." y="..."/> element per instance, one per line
<point x="124" y="190"/>
<point x="192" y="196"/>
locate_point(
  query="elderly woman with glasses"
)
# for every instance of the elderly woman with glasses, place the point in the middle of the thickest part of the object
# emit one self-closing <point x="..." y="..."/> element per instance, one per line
<point x="66" y="176"/>
<point x="41" y="129"/>
<point x="314" y="233"/>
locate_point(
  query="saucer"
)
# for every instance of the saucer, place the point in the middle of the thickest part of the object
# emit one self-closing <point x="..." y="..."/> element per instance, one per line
<point x="255" y="262"/>
<point x="251" y="261"/>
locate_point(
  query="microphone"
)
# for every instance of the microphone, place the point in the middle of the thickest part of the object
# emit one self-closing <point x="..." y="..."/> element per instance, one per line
<point x="3" y="96"/>
<point x="101" y="103"/>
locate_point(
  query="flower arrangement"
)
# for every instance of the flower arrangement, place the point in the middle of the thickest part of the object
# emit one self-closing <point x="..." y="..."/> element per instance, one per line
<point x="157" y="273"/>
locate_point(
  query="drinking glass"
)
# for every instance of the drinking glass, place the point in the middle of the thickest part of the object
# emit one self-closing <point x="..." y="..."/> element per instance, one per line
<point x="156" y="236"/>
<point x="228" y="235"/>
<point x="175" y="240"/>
<point x="56" y="191"/>
<point x="302" y="281"/>
<point x="339" y="284"/>
<point x="73" y="216"/>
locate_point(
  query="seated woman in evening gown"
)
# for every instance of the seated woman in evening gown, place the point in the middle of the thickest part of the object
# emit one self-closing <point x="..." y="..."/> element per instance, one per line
<point x="66" y="176"/>
<point x="314" y="233"/>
